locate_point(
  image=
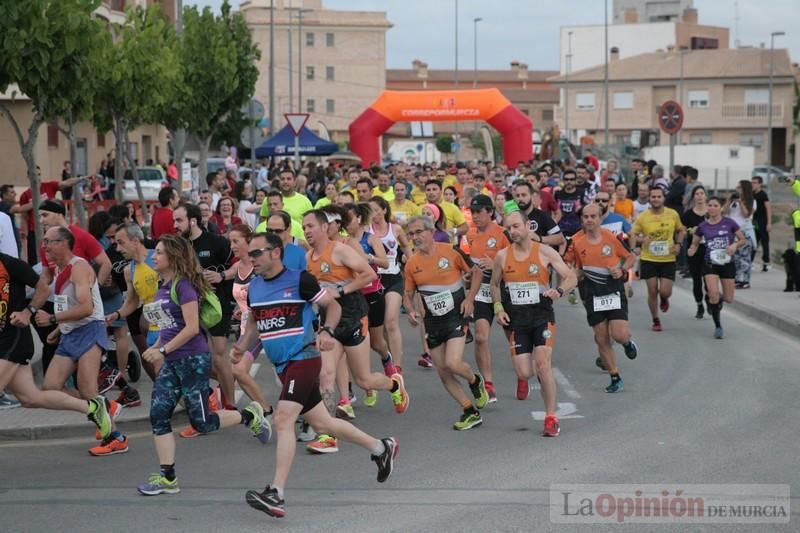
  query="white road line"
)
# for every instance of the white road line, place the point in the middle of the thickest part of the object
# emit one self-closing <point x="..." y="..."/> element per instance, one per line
<point x="565" y="385"/>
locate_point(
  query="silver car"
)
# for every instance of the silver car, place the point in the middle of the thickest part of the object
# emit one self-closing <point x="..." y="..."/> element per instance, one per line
<point x="152" y="179"/>
<point x="776" y="173"/>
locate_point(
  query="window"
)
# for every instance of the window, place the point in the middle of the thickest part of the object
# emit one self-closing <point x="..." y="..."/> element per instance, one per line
<point x="330" y="106"/>
<point x="698" y="99"/>
<point x="756" y="96"/>
<point x="101" y="140"/>
<point x="310" y="105"/>
<point x="623" y="100"/>
<point x="310" y="73"/>
<point x="329" y="40"/>
<point x="699" y="138"/>
<point x="756" y="140"/>
<point x="584" y="100"/>
<point x="330" y="73"/>
<point x="704" y="43"/>
<point x="547" y="114"/>
<point x="52" y="136"/>
<point x="309" y="39"/>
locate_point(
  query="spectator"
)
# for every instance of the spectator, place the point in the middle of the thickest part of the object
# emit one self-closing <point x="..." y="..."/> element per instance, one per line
<point x="224" y="218"/>
<point x="162" y="218"/>
<point x="762" y="220"/>
<point x="248" y="211"/>
<point x="8" y="198"/>
<point x="677" y="190"/>
<point x="205" y="218"/>
<point x="624" y="205"/>
<point x="66" y="173"/>
<point x="740" y="207"/>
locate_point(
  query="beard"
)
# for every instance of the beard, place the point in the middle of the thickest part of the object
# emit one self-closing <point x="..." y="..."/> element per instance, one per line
<point x="524" y="207"/>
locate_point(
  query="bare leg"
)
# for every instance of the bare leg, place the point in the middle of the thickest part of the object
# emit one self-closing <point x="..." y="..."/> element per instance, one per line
<point x="542" y="356"/>
<point x="603" y="341"/>
<point x="319" y="418"/>
<point x="392" y="327"/>
<point x="221" y="364"/>
<point x="327" y="375"/>
<point x="451" y="384"/>
<point x="454" y="359"/>
<point x="358" y="361"/>
<point x="88" y="369"/>
<point x="241" y="372"/>
<point x="29" y="395"/>
<point x="165" y="448"/>
<point x="343" y="379"/>
<point x="283" y="422"/>
<point x="123" y="347"/>
<point x="523" y="366"/>
<point x="652" y="296"/>
<point x="482" y="354"/>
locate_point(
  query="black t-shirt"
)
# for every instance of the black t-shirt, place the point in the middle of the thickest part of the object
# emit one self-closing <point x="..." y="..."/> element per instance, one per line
<point x="761" y="210"/>
<point x="569" y="203"/>
<point x="674" y="199"/>
<point x="15" y="275"/>
<point x="542" y="224"/>
<point x="214" y="253"/>
<point x="691" y="220"/>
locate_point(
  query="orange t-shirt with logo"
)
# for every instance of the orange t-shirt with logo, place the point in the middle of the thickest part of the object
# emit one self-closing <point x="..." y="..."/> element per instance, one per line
<point x="438" y="279"/>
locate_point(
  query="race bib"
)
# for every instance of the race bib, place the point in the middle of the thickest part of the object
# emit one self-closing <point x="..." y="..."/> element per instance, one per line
<point x="157" y="315"/>
<point x="720" y="257"/>
<point x="524" y="293"/>
<point x="484" y="294"/>
<point x="607" y="302"/>
<point x="441" y="303"/>
<point x="61" y="303"/>
<point x="400" y="217"/>
<point x="659" y="248"/>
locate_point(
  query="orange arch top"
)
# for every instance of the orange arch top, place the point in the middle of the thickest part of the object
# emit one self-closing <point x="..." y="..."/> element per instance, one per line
<point x="423" y="106"/>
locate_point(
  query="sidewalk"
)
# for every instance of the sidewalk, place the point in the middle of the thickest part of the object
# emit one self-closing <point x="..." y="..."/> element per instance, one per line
<point x="765" y="301"/>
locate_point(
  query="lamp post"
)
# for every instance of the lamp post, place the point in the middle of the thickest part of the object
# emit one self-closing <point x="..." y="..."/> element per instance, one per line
<point x="300" y="13"/>
<point x="566" y="88"/>
<point x="475" y="22"/>
<point x="271" y="66"/>
<point x="455" y="75"/>
<point x="769" y="106"/>
<point x="605" y="76"/>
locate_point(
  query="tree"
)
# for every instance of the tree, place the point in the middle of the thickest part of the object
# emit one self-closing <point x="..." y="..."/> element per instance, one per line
<point x="444" y="143"/>
<point x="138" y="82"/>
<point x="47" y="50"/>
<point x="218" y="59"/>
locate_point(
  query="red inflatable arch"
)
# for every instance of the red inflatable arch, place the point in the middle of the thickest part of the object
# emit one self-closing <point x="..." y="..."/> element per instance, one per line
<point x="423" y="106"/>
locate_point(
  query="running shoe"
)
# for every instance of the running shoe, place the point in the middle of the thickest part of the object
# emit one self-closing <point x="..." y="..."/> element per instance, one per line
<point x="718" y="333"/>
<point x="129" y="399"/>
<point x="114" y="410"/>
<point x="478" y="390"/>
<point x="260" y="426"/>
<point x="351" y="397"/>
<point x="107" y="378"/>
<point x="400" y="397"/>
<point x="765" y="267"/>
<point x="158" y="484"/>
<point x="491" y="392"/>
<point x="110" y="446"/>
<point x="425" y="361"/>
<point x="371" y="398"/>
<point x="468" y="421"/>
<point x="599" y="363"/>
<point x="616" y="384"/>
<point x="323" y="444"/>
<point x="7" y="402"/>
<point x="97" y="413"/>
<point x="657" y="325"/>
<point x="523" y="388"/>
<point x="306" y="434"/>
<point x="631" y="350"/>
<point x="551" y="426"/>
<point x="388" y="366"/>
<point x="215" y="400"/>
<point x="190" y="433"/>
<point x="700" y="312"/>
<point x="345" y="410"/>
<point x="572" y="297"/>
<point x="664" y="304"/>
<point x="267" y="501"/>
<point x="385" y="461"/>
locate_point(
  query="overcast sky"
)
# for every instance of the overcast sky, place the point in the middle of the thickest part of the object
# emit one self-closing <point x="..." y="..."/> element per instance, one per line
<point x="528" y="31"/>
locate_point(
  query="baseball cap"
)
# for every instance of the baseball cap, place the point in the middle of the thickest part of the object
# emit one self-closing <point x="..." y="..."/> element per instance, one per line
<point x="481" y="201"/>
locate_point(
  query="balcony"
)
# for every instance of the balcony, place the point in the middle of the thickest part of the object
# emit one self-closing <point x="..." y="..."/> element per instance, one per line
<point x="751" y="111"/>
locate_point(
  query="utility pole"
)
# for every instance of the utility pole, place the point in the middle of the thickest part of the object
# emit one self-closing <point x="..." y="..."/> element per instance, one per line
<point x="457" y="143"/>
<point x="291" y="83"/>
<point x="180" y="135"/>
<point x="300" y="13"/>
<point x="605" y="77"/>
<point x="271" y="67"/>
<point x="566" y="89"/>
<point x="769" y="106"/>
<point x="475" y="21"/>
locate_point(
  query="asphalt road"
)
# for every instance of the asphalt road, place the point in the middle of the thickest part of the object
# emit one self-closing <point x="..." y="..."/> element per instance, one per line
<point x="694" y="410"/>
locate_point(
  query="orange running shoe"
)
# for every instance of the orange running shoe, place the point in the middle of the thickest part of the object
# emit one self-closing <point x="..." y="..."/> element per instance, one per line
<point x="110" y="446"/>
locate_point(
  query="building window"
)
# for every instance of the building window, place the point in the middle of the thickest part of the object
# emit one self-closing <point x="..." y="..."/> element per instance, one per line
<point x="756" y="96"/>
<point x="330" y="73"/>
<point x="330" y="106"/>
<point x="699" y="138"/>
<point x="309" y="39"/>
<point x="756" y="140"/>
<point x="623" y="100"/>
<point x="584" y="101"/>
<point x="704" y="43"/>
<point x="52" y="136"/>
<point x="310" y="105"/>
<point x="698" y="99"/>
<point x="330" y="41"/>
<point x="310" y="73"/>
<point x="101" y="140"/>
<point x="547" y="114"/>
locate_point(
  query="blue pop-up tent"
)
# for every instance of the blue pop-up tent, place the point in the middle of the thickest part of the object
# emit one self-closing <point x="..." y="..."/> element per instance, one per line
<point x="282" y="144"/>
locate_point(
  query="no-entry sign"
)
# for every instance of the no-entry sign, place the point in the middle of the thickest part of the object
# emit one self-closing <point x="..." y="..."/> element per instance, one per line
<point x="670" y="117"/>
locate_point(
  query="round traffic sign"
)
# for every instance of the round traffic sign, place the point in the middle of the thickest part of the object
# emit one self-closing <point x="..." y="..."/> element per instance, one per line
<point x="670" y="117"/>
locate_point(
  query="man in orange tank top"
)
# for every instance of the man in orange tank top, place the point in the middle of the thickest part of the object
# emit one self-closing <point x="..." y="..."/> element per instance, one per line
<point x="603" y="263"/>
<point x="435" y="271"/>
<point x="344" y="272"/>
<point x="525" y="304"/>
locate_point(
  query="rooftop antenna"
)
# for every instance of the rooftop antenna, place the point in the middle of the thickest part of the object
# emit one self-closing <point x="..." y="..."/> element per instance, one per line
<point x="736" y="24"/>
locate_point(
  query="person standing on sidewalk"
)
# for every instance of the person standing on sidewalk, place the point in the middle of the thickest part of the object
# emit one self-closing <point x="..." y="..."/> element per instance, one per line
<point x="762" y="221"/>
<point x="740" y="207"/>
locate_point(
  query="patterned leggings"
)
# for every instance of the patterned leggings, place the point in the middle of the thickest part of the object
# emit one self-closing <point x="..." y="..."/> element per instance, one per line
<point x="187" y="377"/>
<point x="744" y="260"/>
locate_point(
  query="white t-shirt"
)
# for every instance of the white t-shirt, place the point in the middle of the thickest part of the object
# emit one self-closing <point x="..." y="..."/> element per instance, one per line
<point x="8" y="243"/>
<point x="638" y="208"/>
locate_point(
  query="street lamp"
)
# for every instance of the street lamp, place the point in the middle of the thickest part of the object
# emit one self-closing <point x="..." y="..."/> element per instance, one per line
<point x="455" y="75"/>
<point x="568" y="67"/>
<point x="300" y="13"/>
<point x="475" y="22"/>
<point x="769" y="107"/>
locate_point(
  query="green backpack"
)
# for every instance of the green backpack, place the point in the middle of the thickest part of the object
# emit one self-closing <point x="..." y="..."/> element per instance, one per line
<point x="210" y="308"/>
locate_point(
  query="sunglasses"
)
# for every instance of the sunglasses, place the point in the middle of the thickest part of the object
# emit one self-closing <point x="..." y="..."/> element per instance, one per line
<point x="258" y="252"/>
<point x="276" y="231"/>
<point x="600" y="201"/>
<point x="569" y="179"/>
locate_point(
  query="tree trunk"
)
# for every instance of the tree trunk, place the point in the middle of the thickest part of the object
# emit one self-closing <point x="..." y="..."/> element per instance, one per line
<point x="77" y="190"/>
<point x="178" y="145"/>
<point x="132" y="165"/>
<point x="119" y="154"/>
<point x="201" y="164"/>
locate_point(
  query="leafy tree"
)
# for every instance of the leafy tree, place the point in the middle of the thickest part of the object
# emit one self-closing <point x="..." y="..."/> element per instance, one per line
<point x="444" y="143"/>
<point x="47" y="55"/>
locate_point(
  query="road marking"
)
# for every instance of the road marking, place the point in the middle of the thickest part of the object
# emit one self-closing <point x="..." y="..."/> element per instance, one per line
<point x="565" y="385"/>
<point x="564" y="411"/>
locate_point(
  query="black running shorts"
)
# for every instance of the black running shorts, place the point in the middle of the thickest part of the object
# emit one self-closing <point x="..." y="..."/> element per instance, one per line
<point x="652" y="269"/>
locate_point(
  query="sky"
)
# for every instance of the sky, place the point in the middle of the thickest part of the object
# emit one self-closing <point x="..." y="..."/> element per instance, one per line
<point x="528" y="30"/>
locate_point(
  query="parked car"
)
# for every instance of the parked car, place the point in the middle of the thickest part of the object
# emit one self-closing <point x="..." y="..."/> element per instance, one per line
<point x="764" y="171"/>
<point x="152" y="179"/>
<point x="213" y="164"/>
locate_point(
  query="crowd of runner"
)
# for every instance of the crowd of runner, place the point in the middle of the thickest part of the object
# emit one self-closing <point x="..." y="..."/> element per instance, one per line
<point x="314" y="271"/>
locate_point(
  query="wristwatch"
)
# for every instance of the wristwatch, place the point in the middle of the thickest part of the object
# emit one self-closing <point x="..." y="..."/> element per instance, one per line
<point x="340" y="288"/>
<point x="163" y="350"/>
<point x="560" y="292"/>
<point x="53" y="320"/>
<point x="327" y="329"/>
<point x="32" y="310"/>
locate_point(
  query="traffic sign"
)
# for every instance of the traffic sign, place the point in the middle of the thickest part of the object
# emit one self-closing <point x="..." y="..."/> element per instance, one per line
<point x="670" y="117"/>
<point x="257" y="136"/>
<point x="296" y="121"/>
<point x="253" y="109"/>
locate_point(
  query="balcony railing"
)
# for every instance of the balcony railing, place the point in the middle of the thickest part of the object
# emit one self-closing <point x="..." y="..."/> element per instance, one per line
<point x="751" y="111"/>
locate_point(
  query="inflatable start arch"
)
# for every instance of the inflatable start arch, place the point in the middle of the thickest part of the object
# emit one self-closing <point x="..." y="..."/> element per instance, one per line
<point x="424" y="106"/>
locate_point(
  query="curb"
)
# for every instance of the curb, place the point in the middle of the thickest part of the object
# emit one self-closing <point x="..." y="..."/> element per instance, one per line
<point x="760" y="314"/>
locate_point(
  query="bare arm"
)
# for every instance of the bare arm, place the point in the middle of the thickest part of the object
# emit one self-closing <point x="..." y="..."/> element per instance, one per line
<point x="768" y="207"/>
<point x="66" y="184"/>
<point x="131" y="299"/>
<point x="379" y="257"/>
<point x="557" y="239"/>
<point x="248" y="338"/>
<point x="462" y="229"/>
<point x="497" y="275"/>
<point x="402" y="240"/>
<point x="104" y="271"/>
<point x="364" y="275"/>
<point x="693" y="247"/>
<point x="565" y="273"/>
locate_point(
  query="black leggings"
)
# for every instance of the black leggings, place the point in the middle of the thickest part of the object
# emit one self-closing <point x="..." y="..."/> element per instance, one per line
<point x="696" y="270"/>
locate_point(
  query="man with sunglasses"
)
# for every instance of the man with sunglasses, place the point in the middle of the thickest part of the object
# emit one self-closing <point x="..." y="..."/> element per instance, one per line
<point x="570" y="199"/>
<point x="614" y="222"/>
<point x="294" y="256"/>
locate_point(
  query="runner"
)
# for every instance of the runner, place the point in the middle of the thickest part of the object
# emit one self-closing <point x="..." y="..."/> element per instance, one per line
<point x="342" y="271"/>
<point x="691" y="218"/>
<point x="17" y="349"/>
<point x="294" y="256"/>
<point x="80" y="329"/>
<point x="603" y="263"/>
<point x="485" y="241"/>
<point x="543" y="228"/>
<point x="524" y="304"/>
<point x="182" y="353"/>
<point x="723" y="237"/>
<point x="281" y="314"/>
<point x="435" y="271"/>
<point x="659" y="232"/>
<point x="569" y="199"/>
